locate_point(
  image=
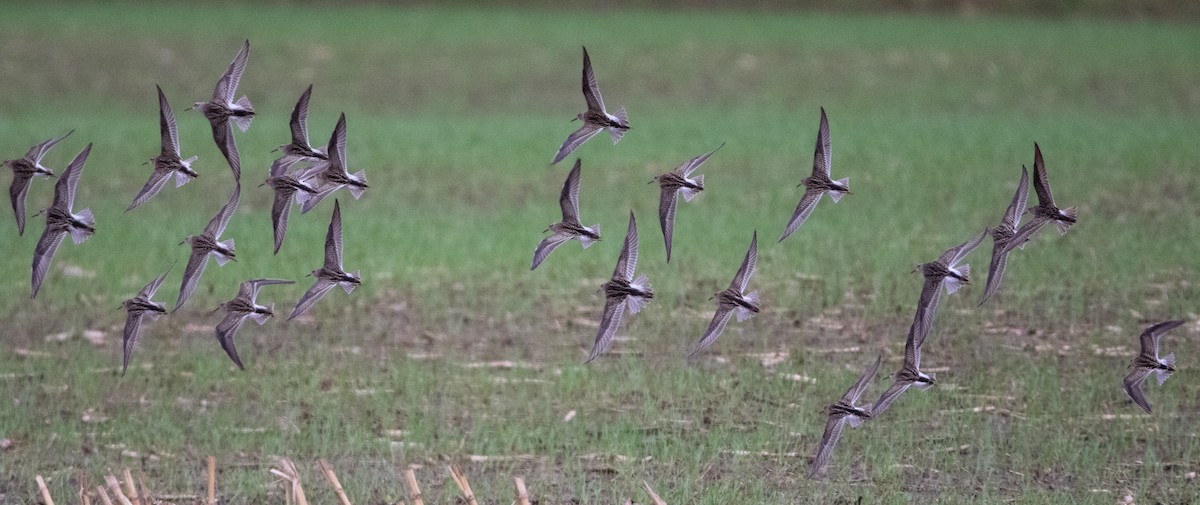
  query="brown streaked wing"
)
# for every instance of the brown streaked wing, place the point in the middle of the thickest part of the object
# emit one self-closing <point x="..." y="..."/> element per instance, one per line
<point x="337" y="146"/>
<point x="43" y="255"/>
<point x="64" y="189"/>
<point x="927" y="304"/>
<point x="1025" y="232"/>
<point x="613" y="309"/>
<point x="299" y="122"/>
<point x="191" y="276"/>
<point x="149" y="289"/>
<point x="627" y="261"/>
<point x="281" y="208"/>
<point x="715" y="328"/>
<point x="133" y="330"/>
<point x="248" y="290"/>
<point x="822" y="155"/>
<point x="1012" y="216"/>
<point x="216" y="225"/>
<point x="1133" y="387"/>
<point x="591" y="90"/>
<point x="803" y="209"/>
<point x="953" y="255"/>
<point x="333" y="239"/>
<point x="1151" y="337"/>
<point x="547" y="246"/>
<point x="748" y="263"/>
<point x="829" y="440"/>
<point x="576" y="139"/>
<point x="226" y="330"/>
<point x="166" y="124"/>
<point x="668" y="200"/>
<point x="38" y="151"/>
<point x="154" y="184"/>
<point x="312" y="296"/>
<point x="569" y="198"/>
<point x="995" y="272"/>
<point x="1040" y="183"/>
<point x="16" y="192"/>
<point x="890" y="395"/>
<point x="223" y="136"/>
<point x="857" y="389"/>
<point x="228" y="83"/>
<point x="691" y="165"/>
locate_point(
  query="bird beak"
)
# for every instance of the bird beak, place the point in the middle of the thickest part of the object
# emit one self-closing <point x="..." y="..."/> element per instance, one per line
<point x="573" y="120"/>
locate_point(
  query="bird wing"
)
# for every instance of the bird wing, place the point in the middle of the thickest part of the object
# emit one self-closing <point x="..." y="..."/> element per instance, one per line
<point x="927" y="304"/>
<point x="337" y="146"/>
<point x="822" y="155"/>
<point x="228" y="83"/>
<point x="995" y="271"/>
<point x="576" y="139"/>
<point x="547" y="246"/>
<point x="281" y="207"/>
<point x="216" y="225"/>
<point x="742" y="278"/>
<point x="1151" y="336"/>
<point x="64" y="189"/>
<point x="614" y="307"/>
<point x="569" y="199"/>
<point x="16" y="192"/>
<point x="249" y="289"/>
<point x="1040" y="183"/>
<point x="149" y="289"/>
<point x="166" y="123"/>
<point x="225" y="331"/>
<point x="829" y="440"/>
<point x="299" y="122"/>
<point x="691" y="165"/>
<point x="1133" y="386"/>
<point x="627" y="261"/>
<point x="38" y="151"/>
<point x="133" y="330"/>
<point x="852" y="395"/>
<point x="890" y="395"/>
<point x="1025" y="232"/>
<point x="668" y="200"/>
<point x="223" y="136"/>
<point x="312" y="296"/>
<point x="591" y="90"/>
<point x="158" y="179"/>
<point x="333" y="239"/>
<point x="715" y="328"/>
<point x="43" y="255"/>
<point x="803" y="209"/>
<point x="191" y="276"/>
<point x="953" y="255"/>
<point x="1012" y="216"/>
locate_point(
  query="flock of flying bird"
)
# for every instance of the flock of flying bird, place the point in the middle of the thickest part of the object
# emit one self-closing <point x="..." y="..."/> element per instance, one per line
<point x="626" y="293"/>
<point x="306" y="175"/>
<point x="303" y="175"/>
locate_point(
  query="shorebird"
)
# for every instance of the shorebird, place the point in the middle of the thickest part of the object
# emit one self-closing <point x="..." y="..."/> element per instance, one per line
<point x="24" y="170"/>
<point x="60" y="220"/>
<point x="732" y="300"/>
<point x="222" y="108"/>
<point x="288" y="189"/>
<point x="819" y="182"/>
<point x="596" y="118"/>
<point x="135" y="309"/>
<point x="910" y="374"/>
<point x="1001" y="235"/>
<point x="672" y="184"/>
<point x="169" y="159"/>
<point x="299" y="149"/>
<point x="1147" y="362"/>
<point x="570" y="227"/>
<point x="840" y="413"/>
<point x="1046" y="211"/>
<point x="331" y="273"/>
<point x="943" y="271"/>
<point x="331" y="175"/>
<point x="207" y="244"/>
<point x="621" y="292"/>
<point x="244" y="305"/>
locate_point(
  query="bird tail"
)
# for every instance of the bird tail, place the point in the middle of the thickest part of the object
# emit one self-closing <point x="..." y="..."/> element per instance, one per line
<point x="78" y="235"/>
<point x="243" y="122"/>
<point x="260" y="317"/>
<point x="837" y="195"/>
<point x="1065" y="224"/>
<point x="690" y="193"/>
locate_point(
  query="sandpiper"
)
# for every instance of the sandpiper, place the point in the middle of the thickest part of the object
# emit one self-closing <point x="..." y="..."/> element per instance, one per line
<point x="244" y="305"/>
<point x="135" y="309"/>
<point x="733" y="300"/>
<point x="570" y="227"/>
<point x="672" y="184"/>
<point x="60" y="220"/>
<point x="819" y="182"/>
<point x="596" y="118"/>
<point x="207" y="244"/>
<point x="288" y="189"/>
<point x="222" y="108"/>
<point x="24" y="170"/>
<point x="332" y="175"/>
<point x="169" y="159"/>
<point x="1147" y="362"/>
<point x="910" y="374"/>
<point x="331" y="273"/>
<point x="943" y="271"/>
<point x="299" y="149"/>
<point x="1046" y="210"/>
<point x="1001" y="235"/>
<point x="840" y="413"/>
<point x="621" y="292"/>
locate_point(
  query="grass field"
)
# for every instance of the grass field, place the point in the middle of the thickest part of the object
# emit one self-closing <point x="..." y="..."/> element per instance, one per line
<point x="452" y="348"/>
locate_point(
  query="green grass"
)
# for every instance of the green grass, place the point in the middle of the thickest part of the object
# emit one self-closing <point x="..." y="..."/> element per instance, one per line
<point x="455" y="114"/>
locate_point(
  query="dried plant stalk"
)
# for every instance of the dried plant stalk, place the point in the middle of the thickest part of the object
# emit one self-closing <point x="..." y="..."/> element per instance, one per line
<point x="103" y="495"/>
<point x="131" y="490"/>
<point x="337" y="486"/>
<point x="414" y="491"/>
<point x="44" y="490"/>
<point x="287" y="471"/>
<point x="114" y="485"/>
<point x="653" y="496"/>
<point x="212" y="480"/>
<point x="464" y="486"/>
<point x="522" y="494"/>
